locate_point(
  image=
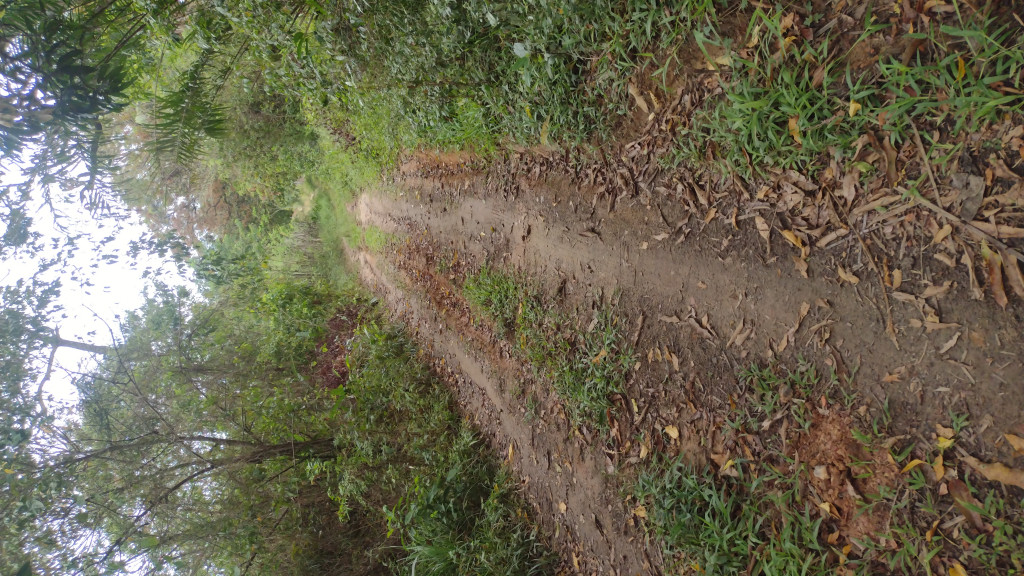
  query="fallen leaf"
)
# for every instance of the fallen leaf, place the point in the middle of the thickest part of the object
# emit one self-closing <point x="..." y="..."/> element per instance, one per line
<point x="710" y="215"/>
<point x="942" y="234"/>
<point x="661" y="236"/>
<point x="672" y="432"/>
<point x="600" y="356"/>
<point x="994" y="266"/>
<point x="943" y="431"/>
<point x="967" y="260"/>
<point x="956" y="569"/>
<point x="942" y="442"/>
<point x="562" y="507"/>
<point x="763" y="228"/>
<point x="801" y="265"/>
<point x="966" y="503"/>
<point x="847" y="276"/>
<point x="854" y="108"/>
<point x="794" y="129"/>
<point x="644" y="451"/>
<point x="931" y="531"/>
<point x="949" y="344"/>
<point x="1013" y="274"/>
<point x="640" y="511"/>
<point x="938" y="467"/>
<point x="897" y="279"/>
<point x="638" y="98"/>
<point x="936" y="290"/>
<point x="793" y="239"/>
<point x="669" y="319"/>
<point x="511" y="451"/>
<point x="911" y="465"/>
<point x="997" y="472"/>
<point x="1016" y="442"/>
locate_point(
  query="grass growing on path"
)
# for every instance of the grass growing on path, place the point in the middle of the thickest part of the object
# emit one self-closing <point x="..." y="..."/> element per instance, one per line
<point x="585" y="365"/>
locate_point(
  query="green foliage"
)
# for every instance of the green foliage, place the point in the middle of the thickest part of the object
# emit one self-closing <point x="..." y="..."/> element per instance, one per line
<point x="958" y="81"/>
<point x="724" y="526"/>
<point x="468" y="521"/>
<point x="584" y="367"/>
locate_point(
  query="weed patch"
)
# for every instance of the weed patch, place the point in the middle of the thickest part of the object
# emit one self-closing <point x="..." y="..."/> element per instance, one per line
<point x="585" y="367"/>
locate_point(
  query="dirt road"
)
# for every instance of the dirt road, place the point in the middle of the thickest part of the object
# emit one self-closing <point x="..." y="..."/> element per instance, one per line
<point x="708" y="292"/>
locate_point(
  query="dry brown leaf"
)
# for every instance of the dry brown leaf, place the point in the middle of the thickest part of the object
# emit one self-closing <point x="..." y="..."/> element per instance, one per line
<point x="998" y="230"/>
<point x="763" y="228"/>
<point x="994" y="266"/>
<point x="710" y="215"/>
<point x="936" y="290"/>
<point x="966" y="503"/>
<point x="1016" y="442"/>
<point x="997" y="472"/>
<point x="942" y="234"/>
<point x="793" y="239"/>
<point x="949" y="344"/>
<point x="661" y="236"/>
<point x="638" y="98"/>
<point x="897" y="279"/>
<point x="669" y="319"/>
<point x="801" y="265"/>
<point x="562" y="507"/>
<point x="848" y="276"/>
<point x="1013" y="274"/>
<point x="600" y="356"/>
<point x="944" y="432"/>
<point x="968" y="260"/>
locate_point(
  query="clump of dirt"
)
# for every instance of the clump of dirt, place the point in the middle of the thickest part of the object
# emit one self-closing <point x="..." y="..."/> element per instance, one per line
<point x="331" y="371"/>
<point x="844" y="473"/>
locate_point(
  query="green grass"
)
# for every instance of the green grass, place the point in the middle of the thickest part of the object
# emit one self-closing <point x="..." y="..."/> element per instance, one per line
<point x="584" y="366"/>
<point x="714" y="526"/>
<point x="953" y="83"/>
<point x="447" y="507"/>
<point x="765" y="518"/>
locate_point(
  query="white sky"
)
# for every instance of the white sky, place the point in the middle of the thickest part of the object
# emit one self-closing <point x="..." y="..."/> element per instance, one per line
<point x="95" y="291"/>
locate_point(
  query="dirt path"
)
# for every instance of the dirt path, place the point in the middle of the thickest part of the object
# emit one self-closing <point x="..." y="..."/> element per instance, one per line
<point x="711" y="294"/>
<point x="563" y="477"/>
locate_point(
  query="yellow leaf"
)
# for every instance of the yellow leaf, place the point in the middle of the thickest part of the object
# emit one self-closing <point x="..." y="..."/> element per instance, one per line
<point x="957" y="570"/>
<point x="793" y="238"/>
<point x="600" y="356"/>
<point x="672" y="432"/>
<point x="848" y="276"/>
<point x="8" y="471"/>
<point x="911" y="465"/>
<point x="854" y="108"/>
<point x="728" y="464"/>
<point x="944" y="443"/>
<point x="794" y="129"/>
<point x="511" y="451"/>
<point x="640" y="511"/>
<point x="960" y="68"/>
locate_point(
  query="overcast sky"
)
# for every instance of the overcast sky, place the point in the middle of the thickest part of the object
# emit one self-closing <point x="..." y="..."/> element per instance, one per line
<point x="99" y="283"/>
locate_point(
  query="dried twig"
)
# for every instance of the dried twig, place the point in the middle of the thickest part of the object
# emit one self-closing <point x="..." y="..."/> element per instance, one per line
<point x="952" y="218"/>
